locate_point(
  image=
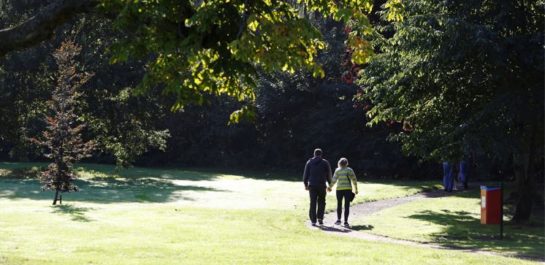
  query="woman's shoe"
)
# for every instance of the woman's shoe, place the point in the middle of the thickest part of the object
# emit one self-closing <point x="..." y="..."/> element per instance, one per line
<point x="338" y="222"/>
<point x="346" y="225"/>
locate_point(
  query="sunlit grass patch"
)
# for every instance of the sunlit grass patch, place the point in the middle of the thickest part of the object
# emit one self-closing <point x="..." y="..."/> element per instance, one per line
<point x="455" y="221"/>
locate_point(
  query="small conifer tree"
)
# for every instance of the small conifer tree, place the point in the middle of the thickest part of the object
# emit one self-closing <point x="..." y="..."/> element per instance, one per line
<point x="62" y="138"/>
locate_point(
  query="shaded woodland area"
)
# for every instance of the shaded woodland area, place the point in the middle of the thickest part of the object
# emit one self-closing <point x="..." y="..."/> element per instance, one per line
<point x="295" y="113"/>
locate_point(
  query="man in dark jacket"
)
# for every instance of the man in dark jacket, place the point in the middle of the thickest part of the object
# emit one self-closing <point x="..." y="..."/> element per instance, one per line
<point x="317" y="173"/>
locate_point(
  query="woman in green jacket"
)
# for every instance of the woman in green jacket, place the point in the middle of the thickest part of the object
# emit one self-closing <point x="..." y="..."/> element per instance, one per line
<point x="346" y="182"/>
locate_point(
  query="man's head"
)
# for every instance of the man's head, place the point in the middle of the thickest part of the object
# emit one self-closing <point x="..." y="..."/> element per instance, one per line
<point x="318" y="152"/>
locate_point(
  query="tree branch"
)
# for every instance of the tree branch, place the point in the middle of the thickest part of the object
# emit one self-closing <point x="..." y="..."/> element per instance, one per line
<point x="41" y="26"/>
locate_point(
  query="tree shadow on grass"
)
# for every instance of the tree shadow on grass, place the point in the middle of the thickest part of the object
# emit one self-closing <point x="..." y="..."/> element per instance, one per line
<point x="110" y="171"/>
<point x="463" y="230"/>
<point x="146" y="189"/>
<point x="105" y="190"/>
<point x="76" y="213"/>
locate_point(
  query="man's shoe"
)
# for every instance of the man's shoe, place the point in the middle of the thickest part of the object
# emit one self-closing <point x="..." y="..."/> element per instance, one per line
<point x="346" y="225"/>
<point x="313" y="223"/>
<point x="320" y="221"/>
<point x="338" y="222"/>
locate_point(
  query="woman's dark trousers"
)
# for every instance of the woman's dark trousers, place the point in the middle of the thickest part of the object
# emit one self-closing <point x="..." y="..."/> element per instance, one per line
<point x="343" y="194"/>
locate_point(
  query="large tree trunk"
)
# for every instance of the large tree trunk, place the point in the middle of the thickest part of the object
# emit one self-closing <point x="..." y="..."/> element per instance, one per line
<point x="41" y="26"/>
<point x="525" y="188"/>
<point x="523" y="164"/>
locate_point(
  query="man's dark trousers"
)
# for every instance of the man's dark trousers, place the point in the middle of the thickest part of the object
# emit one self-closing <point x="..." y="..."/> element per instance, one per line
<point x="317" y="196"/>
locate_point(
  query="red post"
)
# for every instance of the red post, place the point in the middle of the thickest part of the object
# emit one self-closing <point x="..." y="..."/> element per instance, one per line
<point x="491" y="205"/>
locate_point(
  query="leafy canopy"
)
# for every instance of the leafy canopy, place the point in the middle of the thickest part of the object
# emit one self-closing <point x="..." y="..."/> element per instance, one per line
<point x="461" y="74"/>
<point x="194" y="48"/>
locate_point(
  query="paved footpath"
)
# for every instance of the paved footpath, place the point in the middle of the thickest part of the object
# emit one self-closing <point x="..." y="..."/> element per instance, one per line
<point x="368" y="208"/>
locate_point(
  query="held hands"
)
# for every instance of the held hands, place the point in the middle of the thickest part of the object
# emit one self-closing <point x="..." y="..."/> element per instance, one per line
<point x="328" y="189"/>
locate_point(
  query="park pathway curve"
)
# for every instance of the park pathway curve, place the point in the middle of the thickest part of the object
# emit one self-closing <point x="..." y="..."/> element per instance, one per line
<point x="368" y="208"/>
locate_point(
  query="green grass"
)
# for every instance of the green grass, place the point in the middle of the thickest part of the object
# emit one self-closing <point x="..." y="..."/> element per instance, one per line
<point x="455" y="221"/>
<point x="168" y="216"/>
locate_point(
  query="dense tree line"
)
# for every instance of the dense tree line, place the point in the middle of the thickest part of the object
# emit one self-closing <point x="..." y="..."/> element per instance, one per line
<point x="292" y="118"/>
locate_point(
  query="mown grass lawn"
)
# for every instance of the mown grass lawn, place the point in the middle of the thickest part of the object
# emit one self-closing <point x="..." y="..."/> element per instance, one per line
<point x="154" y="216"/>
<point x="455" y="221"/>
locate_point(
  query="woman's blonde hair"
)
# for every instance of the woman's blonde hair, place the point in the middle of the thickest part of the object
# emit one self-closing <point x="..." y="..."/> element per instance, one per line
<point x="343" y="162"/>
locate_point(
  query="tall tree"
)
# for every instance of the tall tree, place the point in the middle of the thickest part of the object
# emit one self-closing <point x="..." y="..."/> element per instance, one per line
<point x="63" y="136"/>
<point x="465" y="74"/>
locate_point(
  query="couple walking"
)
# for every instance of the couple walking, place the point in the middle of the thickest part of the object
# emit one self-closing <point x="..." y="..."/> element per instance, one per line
<point x="315" y="176"/>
